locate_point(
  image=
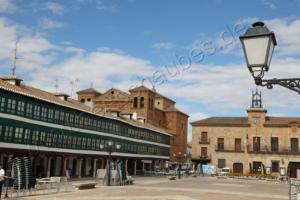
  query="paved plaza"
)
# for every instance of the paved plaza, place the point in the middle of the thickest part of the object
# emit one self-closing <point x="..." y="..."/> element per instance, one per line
<point x="185" y="189"/>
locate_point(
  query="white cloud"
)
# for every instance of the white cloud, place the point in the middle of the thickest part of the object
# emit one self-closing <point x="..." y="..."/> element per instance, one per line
<point x="269" y="3"/>
<point x="100" y="5"/>
<point x="47" y="23"/>
<point x="218" y="88"/>
<point x="53" y="7"/>
<point x="7" y="6"/>
<point x="287" y="31"/>
<point x="164" y="45"/>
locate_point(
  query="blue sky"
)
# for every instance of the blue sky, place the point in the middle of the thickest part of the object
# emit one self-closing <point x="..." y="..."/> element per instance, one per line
<point x="119" y="43"/>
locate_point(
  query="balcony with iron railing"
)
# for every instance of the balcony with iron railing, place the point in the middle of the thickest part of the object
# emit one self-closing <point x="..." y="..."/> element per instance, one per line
<point x="204" y="140"/>
<point x="229" y="148"/>
<point x="267" y="149"/>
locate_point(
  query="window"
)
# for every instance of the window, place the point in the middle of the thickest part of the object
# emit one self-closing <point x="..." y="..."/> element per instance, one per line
<point x="294" y="145"/>
<point x="275" y="166"/>
<point x="26" y="136"/>
<point x="204" y="151"/>
<point x="2" y="103"/>
<point x="50" y="114"/>
<point x="56" y="115"/>
<point x="274" y="144"/>
<point x="142" y="103"/>
<point x="220" y="144"/>
<point x="221" y="163"/>
<point x="8" y="133"/>
<point x="49" y="139"/>
<point x="203" y="137"/>
<point x="44" y="114"/>
<point x="67" y="117"/>
<point x="74" y="142"/>
<point x="20" y="108"/>
<point x="18" y="135"/>
<point x="238" y="144"/>
<point x="36" y="112"/>
<point x="29" y="110"/>
<point x="256" y="143"/>
<point x="35" y="137"/>
<point x="54" y="139"/>
<point x="62" y="117"/>
<point x="11" y="105"/>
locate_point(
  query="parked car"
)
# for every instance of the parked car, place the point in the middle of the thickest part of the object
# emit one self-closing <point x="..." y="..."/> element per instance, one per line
<point x="225" y="170"/>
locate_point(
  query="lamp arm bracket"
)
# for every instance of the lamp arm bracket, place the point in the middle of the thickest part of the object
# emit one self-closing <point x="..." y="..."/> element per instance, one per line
<point x="290" y="83"/>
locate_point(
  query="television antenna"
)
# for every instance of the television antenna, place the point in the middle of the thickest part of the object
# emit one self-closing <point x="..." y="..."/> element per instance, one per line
<point x="56" y="85"/>
<point x="72" y="83"/>
<point x="15" y="58"/>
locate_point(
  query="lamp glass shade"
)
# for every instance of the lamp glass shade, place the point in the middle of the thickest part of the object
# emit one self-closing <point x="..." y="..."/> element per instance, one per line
<point x="258" y="52"/>
<point x="258" y="44"/>
<point x="110" y="143"/>
<point x="118" y="146"/>
<point x="101" y="146"/>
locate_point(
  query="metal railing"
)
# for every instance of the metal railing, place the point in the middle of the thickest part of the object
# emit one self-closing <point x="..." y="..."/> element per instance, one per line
<point x="224" y="148"/>
<point x="204" y="140"/>
<point x="267" y="149"/>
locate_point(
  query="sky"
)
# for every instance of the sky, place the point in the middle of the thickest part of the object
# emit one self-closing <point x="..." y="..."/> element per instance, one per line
<point x="188" y="50"/>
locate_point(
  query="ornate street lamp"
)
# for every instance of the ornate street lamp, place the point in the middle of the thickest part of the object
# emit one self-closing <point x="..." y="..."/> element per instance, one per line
<point x="180" y="162"/>
<point x="109" y="147"/>
<point x="258" y="44"/>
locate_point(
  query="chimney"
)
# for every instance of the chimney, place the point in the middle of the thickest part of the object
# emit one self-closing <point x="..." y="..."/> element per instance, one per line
<point x="62" y="96"/>
<point x="114" y="112"/>
<point x="127" y="115"/>
<point x="14" y="80"/>
<point x="134" y="116"/>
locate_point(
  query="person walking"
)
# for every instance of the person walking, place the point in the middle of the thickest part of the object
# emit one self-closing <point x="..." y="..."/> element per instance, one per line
<point x="2" y="178"/>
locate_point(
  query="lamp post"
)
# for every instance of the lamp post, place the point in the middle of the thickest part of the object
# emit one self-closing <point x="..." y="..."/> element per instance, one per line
<point x="180" y="156"/>
<point x="109" y="147"/>
<point x="258" y="45"/>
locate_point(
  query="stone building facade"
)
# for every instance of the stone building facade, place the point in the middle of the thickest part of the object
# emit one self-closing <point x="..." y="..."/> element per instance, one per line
<point x="145" y="105"/>
<point x="257" y="143"/>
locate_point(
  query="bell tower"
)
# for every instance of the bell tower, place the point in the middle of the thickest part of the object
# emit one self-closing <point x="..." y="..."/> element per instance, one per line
<point x="256" y="112"/>
<point x="256" y="100"/>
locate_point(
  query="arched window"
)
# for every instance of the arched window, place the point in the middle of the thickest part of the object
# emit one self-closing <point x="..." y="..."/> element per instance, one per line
<point x="135" y="102"/>
<point x="142" y="102"/>
<point x="82" y="100"/>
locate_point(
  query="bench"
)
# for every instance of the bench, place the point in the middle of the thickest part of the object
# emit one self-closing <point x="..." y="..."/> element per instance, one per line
<point x="172" y="178"/>
<point x="85" y="186"/>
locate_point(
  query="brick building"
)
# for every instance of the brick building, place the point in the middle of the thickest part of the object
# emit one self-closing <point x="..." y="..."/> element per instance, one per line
<point x="145" y="105"/>
<point x="256" y="143"/>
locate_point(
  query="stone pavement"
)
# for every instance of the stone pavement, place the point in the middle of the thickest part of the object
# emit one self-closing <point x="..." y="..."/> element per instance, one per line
<point x="161" y="188"/>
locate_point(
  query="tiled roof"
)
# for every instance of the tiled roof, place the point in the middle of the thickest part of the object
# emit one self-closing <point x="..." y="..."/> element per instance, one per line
<point x="222" y="121"/>
<point x="89" y="90"/>
<point x="174" y="109"/>
<point x="281" y="121"/>
<point x="42" y="95"/>
<point x="243" y="121"/>
<point x="158" y="95"/>
<point x="141" y="88"/>
<point x="118" y="95"/>
<point x="71" y="103"/>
